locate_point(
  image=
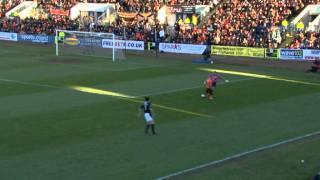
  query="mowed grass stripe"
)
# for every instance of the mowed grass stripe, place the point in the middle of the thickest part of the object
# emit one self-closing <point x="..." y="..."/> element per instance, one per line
<point x="102" y="137"/>
<point x="282" y="120"/>
<point x="13" y="89"/>
<point x="239" y="95"/>
<point x="63" y="98"/>
<point x="95" y="141"/>
<point x="60" y="72"/>
<point x="105" y="77"/>
<point x="297" y="160"/>
<point x="203" y="167"/>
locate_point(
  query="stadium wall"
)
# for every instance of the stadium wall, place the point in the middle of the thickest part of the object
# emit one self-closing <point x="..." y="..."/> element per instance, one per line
<point x="276" y="54"/>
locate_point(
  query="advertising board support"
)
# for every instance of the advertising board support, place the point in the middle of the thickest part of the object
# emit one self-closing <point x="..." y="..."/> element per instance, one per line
<point x="272" y="53"/>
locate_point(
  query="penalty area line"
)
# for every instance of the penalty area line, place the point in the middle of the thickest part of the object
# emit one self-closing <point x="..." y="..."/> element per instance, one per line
<point x="240" y="155"/>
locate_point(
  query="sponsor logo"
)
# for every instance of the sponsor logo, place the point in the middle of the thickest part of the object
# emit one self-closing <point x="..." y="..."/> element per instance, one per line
<point x="34" y="38"/>
<point x="315" y="52"/>
<point x="182" y="48"/>
<point x="71" y="41"/>
<point x="296" y="54"/>
<point x="310" y="57"/>
<point x="171" y="46"/>
<point x="292" y="53"/>
<point x="13" y="36"/>
<point x="121" y="44"/>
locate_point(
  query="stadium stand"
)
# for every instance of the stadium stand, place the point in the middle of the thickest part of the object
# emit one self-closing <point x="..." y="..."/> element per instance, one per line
<point x="308" y="40"/>
<point x="253" y="24"/>
<point x="6" y="5"/>
<point x="231" y="22"/>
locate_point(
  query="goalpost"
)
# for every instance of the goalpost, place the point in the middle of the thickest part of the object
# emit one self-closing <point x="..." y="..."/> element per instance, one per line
<point x="87" y="44"/>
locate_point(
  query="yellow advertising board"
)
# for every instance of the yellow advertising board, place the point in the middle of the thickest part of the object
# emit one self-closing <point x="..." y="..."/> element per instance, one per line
<point x="237" y="51"/>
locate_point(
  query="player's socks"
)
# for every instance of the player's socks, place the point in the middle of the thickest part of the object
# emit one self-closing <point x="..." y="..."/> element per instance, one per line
<point x="152" y="128"/>
<point x="147" y="129"/>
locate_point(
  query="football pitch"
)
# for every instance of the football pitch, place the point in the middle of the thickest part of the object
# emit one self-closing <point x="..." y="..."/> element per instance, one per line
<point x="77" y="118"/>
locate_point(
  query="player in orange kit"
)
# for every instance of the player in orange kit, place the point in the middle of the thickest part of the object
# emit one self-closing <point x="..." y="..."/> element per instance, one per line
<point x="210" y="83"/>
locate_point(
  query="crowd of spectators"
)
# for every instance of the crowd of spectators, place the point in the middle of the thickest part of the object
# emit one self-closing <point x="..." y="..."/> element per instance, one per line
<point x="139" y="29"/>
<point x="57" y="4"/>
<point x="6" y="5"/>
<point x="308" y="40"/>
<point x="45" y="23"/>
<point x="138" y="6"/>
<point x="37" y="26"/>
<point x="252" y="23"/>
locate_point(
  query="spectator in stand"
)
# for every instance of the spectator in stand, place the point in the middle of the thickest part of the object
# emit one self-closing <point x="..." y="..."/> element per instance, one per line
<point x="235" y="22"/>
<point x="251" y="23"/>
<point x="7" y="5"/>
<point x="308" y="40"/>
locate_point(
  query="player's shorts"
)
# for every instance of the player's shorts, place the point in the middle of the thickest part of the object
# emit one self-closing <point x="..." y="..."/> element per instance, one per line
<point x="214" y="84"/>
<point x="148" y="118"/>
<point x="209" y="91"/>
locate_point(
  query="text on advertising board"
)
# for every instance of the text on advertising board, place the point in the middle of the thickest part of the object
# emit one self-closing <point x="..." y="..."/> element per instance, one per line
<point x="121" y="44"/>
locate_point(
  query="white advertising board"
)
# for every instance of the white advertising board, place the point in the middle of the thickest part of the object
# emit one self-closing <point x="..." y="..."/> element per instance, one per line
<point x="182" y="48"/>
<point x="8" y="36"/>
<point x="122" y="44"/>
<point x="311" y="54"/>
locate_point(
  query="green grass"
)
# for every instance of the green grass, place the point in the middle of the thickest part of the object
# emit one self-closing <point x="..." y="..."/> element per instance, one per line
<point x="50" y="131"/>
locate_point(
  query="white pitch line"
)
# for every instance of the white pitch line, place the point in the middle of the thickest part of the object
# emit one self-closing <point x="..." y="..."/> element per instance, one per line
<point x="151" y="94"/>
<point x="29" y="83"/>
<point x="229" y="158"/>
<point x="189" y="88"/>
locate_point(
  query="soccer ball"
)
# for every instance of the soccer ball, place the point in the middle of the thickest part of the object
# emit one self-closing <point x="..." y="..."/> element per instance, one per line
<point x="211" y="62"/>
<point x="203" y="95"/>
<point x="227" y="81"/>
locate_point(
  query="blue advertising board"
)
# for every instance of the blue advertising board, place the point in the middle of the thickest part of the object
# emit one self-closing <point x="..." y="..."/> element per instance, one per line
<point x="35" y="38"/>
<point x="292" y="54"/>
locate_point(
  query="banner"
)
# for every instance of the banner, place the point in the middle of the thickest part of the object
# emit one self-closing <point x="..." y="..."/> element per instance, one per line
<point x="122" y="44"/>
<point x="311" y="54"/>
<point x="291" y="54"/>
<point x="182" y="48"/>
<point x="59" y="12"/>
<point x="127" y="15"/>
<point x="35" y="38"/>
<point x="272" y="53"/>
<point x="178" y="9"/>
<point x="237" y="51"/>
<point x="8" y="36"/>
